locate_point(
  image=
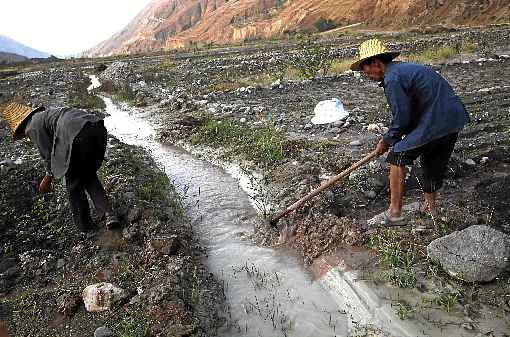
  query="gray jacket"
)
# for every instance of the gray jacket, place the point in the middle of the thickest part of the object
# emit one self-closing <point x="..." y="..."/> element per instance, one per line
<point x="53" y="132"/>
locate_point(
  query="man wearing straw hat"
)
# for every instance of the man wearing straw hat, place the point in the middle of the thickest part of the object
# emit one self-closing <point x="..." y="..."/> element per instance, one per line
<point x="72" y="143"/>
<point x="427" y="116"/>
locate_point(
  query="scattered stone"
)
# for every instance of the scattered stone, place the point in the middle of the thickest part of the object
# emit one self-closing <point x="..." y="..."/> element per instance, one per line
<point x="70" y="306"/>
<point x="378" y="128"/>
<point x="102" y="296"/>
<point x="470" y="162"/>
<point x="475" y="254"/>
<point x="484" y="160"/>
<point x="276" y="84"/>
<point x="103" y="332"/>
<point x="355" y="143"/>
<point x="308" y="126"/>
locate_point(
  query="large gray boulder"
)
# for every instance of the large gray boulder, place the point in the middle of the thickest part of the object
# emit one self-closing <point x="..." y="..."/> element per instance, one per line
<point x="475" y="254"/>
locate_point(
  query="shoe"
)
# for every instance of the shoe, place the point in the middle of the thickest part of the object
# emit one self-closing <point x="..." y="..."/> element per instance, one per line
<point x="384" y="219"/>
<point x="392" y="220"/>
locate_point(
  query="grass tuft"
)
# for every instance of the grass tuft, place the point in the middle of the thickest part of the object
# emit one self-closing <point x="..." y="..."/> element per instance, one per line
<point x="435" y="54"/>
<point x="400" y="259"/>
<point x="265" y="145"/>
<point x="340" y="66"/>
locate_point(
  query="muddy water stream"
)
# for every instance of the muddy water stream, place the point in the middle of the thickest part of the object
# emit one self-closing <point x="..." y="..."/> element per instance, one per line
<point x="268" y="291"/>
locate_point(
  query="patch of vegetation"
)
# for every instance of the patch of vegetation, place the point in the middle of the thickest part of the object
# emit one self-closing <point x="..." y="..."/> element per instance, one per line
<point x="313" y="59"/>
<point x="80" y="98"/>
<point x="395" y="255"/>
<point x="323" y="25"/>
<point x="133" y="328"/>
<point x="266" y="145"/>
<point x="339" y="66"/>
<point x="470" y="47"/>
<point x="404" y="310"/>
<point x="446" y="300"/>
<point x="27" y="314"/>
<point x="167" y="64"/>
<point x="130" y="276"/>
<point x="119" y="93"/>
<point x="434" y="54"/>
<point x="151" y="186"/>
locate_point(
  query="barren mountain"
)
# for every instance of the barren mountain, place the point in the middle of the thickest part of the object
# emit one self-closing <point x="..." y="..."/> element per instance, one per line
<point x="9" y="58"/>
<point x="8" y="45"/>
<point x="167" y="24"/>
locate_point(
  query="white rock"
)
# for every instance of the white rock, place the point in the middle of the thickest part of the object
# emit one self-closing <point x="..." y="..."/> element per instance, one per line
<point x="276" y="83"/>
<point x="470" y="162"/>
<point x="101" y="296"/>
<point x="243" y="120"/>
<point x="484" y="160"/>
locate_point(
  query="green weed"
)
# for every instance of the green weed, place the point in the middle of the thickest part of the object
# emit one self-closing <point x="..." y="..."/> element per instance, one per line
<point x="340" y="66"/>
<point x="400" y="259"/>
<point x="133" y="328"/>
<point x="446" y="300"/>
<point x="313" y="59"/>
<point x="79" y="97"/>
<point x="264" y="145"/>
<point x="434" y="54"/>
<point x="404" y="310"/>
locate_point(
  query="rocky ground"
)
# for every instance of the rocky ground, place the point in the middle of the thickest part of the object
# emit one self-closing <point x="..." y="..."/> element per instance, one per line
<point x="253" y="106"/>
<point x="153" y="260"/>
<point x="232" y="99"/>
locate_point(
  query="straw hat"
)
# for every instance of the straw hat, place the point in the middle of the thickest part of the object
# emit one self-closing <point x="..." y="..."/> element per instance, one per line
<point x="370" y="49"/>
<point x="15" y="114"/>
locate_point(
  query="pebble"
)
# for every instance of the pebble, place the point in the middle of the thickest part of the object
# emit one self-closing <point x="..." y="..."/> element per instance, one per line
<point x="470" y="162"/>
<point x="243" y="120"/>
<point x="355" y="143"/>
<point x="308" y="126"/>
<point x="484" y="160"/>
<point x="103" y="332"/>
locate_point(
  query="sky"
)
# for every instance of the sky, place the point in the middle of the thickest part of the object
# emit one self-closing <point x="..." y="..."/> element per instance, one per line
<point x="65" y="27"/>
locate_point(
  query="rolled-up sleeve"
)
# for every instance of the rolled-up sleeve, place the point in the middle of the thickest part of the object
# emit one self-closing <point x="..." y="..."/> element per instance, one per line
<point x="400" y="105"/>
<point x="41" y="139"/>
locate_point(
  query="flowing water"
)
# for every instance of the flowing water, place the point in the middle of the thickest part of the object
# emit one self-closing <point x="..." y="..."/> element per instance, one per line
<point x="268" y="291"/>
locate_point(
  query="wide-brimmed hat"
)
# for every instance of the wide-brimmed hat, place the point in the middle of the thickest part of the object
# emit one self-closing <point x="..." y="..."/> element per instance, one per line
<point x="370" y="49"/>
<point x="329" y="111"/>
<point x="15" y="114"/>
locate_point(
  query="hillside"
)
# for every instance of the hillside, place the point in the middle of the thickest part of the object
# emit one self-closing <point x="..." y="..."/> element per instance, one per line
<point x="8" y="58"/>
<point x="167" y="24"/>
<point x="8" y="45"/>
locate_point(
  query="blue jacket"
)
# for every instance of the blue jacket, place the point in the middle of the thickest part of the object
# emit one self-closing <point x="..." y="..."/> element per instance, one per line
<point x="423" y="105"/>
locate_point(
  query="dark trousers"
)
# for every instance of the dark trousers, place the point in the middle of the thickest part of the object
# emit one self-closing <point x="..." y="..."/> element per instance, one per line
<point x="434" y="158"/>
<point x="87" y="155"/>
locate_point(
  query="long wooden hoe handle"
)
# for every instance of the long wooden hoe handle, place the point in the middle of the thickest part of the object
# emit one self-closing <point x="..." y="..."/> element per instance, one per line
<point x="325" y="185"/>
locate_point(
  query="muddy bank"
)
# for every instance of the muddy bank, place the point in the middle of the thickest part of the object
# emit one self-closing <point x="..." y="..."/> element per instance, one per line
<point x="46" y="262"/>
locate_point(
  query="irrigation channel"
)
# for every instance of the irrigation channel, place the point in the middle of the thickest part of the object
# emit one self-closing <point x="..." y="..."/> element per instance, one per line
<point x="268" y="291"/>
